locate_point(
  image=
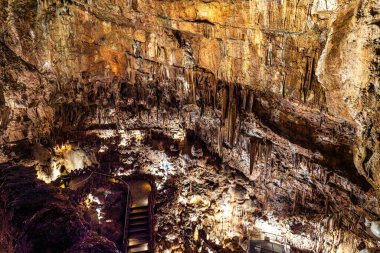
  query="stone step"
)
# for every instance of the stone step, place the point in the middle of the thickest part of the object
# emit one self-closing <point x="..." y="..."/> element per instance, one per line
<point x="138" y="235"/>
<point x="139" y="210"/>
<point x="138" y="247"/>
<point x="136" y="241"/>
<point x="138" y="216"/>
<point x="138" y="222"/>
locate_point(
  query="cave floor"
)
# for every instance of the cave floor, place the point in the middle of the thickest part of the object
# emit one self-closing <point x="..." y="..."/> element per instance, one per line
<point x="203" y="202"/>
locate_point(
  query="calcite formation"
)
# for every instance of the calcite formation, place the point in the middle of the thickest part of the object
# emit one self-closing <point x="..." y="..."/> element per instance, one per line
<point x="282" y="95"/>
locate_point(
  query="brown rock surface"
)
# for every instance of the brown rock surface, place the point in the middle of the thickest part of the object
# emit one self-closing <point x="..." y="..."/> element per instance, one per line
<point x="36" y="218"/>
<point x="320" y="56"/>
<point x="267" y="85"/>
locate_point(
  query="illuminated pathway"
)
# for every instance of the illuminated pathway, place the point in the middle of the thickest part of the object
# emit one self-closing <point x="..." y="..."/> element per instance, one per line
<point x="138" y="223"/>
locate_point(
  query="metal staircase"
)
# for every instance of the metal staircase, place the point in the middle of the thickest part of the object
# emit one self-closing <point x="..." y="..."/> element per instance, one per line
<point x="138" y="235"/>
<point x="138" y="231"/>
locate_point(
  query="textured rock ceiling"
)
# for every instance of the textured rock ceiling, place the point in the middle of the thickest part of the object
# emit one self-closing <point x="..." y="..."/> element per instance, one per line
<point x="283" y="96"/>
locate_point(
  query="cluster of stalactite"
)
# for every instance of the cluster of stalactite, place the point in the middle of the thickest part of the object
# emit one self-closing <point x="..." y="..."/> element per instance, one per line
<point x="310" y="86"/>
<point x="170" y="89"/>
<point x="320" y="179"/>
<point x="173" y="88"/>
<point x="231" y="99"/>
<point x="259" y="148"/>
<point x="69" y="114"/>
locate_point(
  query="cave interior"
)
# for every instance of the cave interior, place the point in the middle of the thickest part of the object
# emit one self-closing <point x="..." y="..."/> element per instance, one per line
<point x="189" y="126"/>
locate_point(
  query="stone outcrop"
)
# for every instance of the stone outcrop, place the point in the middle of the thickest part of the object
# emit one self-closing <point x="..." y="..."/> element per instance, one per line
<point x="36" y="218"/>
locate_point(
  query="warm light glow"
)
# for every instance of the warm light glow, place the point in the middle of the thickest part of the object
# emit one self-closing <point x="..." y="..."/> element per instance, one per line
<point x="196" y="234"/>
<point x="92" y="201"/>
<point x="227" y="210"/>
<point x="103" y="149"/>
<point x="65" y="156"/>
<point x="52" y="175"/>
<point x="266" y="227"/>
<point x="114" y="180"/>
<point x="127" y="137"/>
<point x="138" y="135"/>
<point x="61" y="149"/>
<point x="104" y="134"/>
<point x="178" y="134"/>
<point x="196" y="199"/>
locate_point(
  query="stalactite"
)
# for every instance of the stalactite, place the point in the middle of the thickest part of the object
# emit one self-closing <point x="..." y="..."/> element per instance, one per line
<point x="259" y="151"/>
<point x="308" y="165"/>
<point x="207" y="94"/>
<point x="244" y="93"/>
<point x="325" y="178"/>
<point x="250" y="101"/>
<point x="220" y="140"/>
<point x="306" y="84"/>
<point x="238" y="132"/>
<point x="295" y="199"/>
<point x="215" y="91"/>
<point x="232" y="114"/>
<point x="303" y="201"/>
<point x="268" y="152"/>
<point x="224" y="103"/>
<point x="252" y="152"/>
<point x="268" y="57"/>
<point x="298" y="160"/>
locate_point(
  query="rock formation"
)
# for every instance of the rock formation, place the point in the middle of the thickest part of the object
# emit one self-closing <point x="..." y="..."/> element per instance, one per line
<point x="251" y="115"/>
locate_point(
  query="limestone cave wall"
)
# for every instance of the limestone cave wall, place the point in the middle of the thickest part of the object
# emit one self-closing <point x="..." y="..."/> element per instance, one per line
<point x="317" y="59"/>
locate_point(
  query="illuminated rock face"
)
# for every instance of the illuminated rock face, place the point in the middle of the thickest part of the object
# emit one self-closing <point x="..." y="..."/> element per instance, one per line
<point x="201" y="203"/>
<point x="267" y="85"/>
<point x="58" y="59"/>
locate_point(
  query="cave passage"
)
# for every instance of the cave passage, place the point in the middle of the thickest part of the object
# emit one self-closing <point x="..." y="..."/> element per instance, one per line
<point x="139" y="217"/>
